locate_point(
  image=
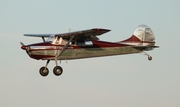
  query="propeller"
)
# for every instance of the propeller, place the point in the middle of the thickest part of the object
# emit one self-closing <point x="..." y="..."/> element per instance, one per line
<point x="24" y="47"/>
<point x="22" y="44"/>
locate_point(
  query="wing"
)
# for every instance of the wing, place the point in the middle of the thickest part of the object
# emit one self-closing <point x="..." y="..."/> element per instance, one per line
<point x="38" y="35"/>
<point x="90" y="34"/>
<point x="84" y="35"/>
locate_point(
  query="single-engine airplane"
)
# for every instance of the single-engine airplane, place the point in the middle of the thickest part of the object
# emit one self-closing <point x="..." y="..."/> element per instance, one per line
<point x="86" y="44"/>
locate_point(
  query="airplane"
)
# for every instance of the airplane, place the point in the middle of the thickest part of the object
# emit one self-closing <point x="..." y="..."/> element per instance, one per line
<point x="86" y="44"/>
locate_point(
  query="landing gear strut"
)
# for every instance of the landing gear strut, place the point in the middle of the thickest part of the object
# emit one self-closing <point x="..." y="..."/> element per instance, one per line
<point x="149" y="57"/>
<point x="57" y="69"/>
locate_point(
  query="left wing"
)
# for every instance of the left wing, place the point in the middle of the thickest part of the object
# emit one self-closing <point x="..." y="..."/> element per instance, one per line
<point x="39" y="35"/>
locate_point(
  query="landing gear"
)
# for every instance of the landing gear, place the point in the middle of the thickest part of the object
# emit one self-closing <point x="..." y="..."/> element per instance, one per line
<point x="149" y="57"/>
<point x="57" y="69"/>
<point x="44" y="71"/>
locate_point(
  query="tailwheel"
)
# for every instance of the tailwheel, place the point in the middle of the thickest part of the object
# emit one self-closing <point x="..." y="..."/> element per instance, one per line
<point x="44" y="71"/>
<point x="57" y="70"/>
<point x="149" y="58"/>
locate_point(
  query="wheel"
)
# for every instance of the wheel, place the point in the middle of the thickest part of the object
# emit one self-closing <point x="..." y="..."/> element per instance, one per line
<point x="149" y="58"/>
<point x="43" y="71"/>
<point x="57" y="70"/>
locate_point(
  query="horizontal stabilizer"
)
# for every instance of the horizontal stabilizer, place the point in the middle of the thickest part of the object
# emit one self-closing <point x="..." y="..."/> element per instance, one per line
<point x="147" y="48"/>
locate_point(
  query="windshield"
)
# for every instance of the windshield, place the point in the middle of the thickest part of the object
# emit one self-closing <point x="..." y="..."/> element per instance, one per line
<point x="51" y="38"/>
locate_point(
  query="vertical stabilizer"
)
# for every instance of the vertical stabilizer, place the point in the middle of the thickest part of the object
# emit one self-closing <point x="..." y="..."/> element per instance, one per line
<point x="143" y="36"/>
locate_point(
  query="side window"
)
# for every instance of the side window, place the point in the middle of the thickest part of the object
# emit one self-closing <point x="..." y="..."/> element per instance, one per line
<point x="88" y="43"/>
<point x="84" y="43"/>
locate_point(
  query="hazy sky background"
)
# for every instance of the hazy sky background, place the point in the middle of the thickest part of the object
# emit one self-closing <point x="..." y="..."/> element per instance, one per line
<point x="117" y="81"/>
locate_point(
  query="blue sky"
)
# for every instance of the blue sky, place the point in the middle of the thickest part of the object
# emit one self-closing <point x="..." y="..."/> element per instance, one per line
<point x="127" y="80"/>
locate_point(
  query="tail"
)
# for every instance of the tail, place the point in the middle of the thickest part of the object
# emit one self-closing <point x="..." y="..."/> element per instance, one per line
<point x="143" y="37"/>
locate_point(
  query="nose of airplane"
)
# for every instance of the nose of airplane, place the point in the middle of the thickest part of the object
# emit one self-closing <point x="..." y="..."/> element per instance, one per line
<point x="23" y="47"/>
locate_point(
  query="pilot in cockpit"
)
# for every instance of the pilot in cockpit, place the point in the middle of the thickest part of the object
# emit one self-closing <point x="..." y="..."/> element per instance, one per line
<point x="56" y="40"/>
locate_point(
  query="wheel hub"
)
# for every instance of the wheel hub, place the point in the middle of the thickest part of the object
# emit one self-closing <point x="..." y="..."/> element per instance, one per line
<point x="45" y="71"/>
<point x="58" y="71"/>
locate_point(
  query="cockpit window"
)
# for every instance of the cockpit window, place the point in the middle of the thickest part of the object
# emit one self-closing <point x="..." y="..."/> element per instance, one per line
<point x="56" y="40"/>
<point x="60" y="41"/>
<point x="51" y="38"/>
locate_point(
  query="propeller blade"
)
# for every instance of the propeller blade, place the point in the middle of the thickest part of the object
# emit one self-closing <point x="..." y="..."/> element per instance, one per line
<point x="22" y="44"/>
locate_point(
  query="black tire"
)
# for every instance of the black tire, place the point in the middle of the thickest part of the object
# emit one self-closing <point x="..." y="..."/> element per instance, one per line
<point x="149" y="58"/>
<point x="57" y="70"/>
<point x="44" y="72"/>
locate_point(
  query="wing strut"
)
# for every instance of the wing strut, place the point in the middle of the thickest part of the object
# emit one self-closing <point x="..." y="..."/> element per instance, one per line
<point x="43" y="39"/>
<point x="63" y="49"/>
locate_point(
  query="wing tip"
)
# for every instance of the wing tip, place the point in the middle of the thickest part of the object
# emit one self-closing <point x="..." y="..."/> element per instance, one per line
<point x="101" y="29"/>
